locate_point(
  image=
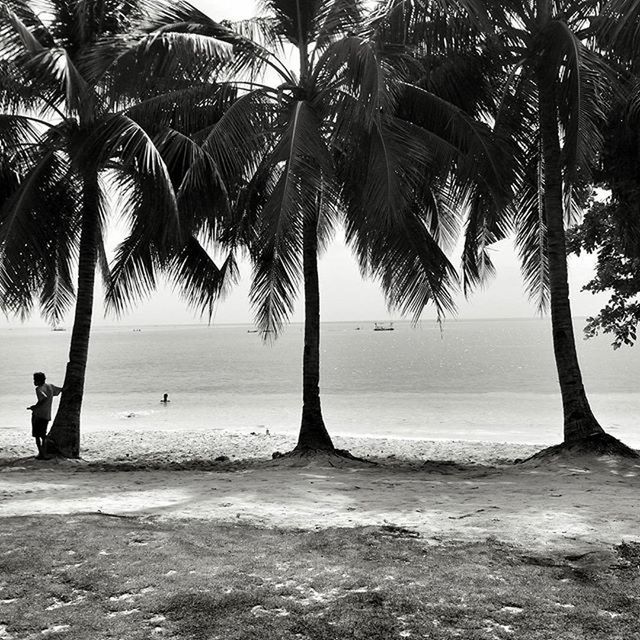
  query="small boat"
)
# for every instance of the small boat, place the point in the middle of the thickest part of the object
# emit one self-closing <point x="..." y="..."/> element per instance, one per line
<point x="383" y="326"/>
<point x="57" y="327"/>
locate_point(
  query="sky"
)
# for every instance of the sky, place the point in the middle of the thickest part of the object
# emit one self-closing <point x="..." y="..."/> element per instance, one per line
<point x="344" y="295"/>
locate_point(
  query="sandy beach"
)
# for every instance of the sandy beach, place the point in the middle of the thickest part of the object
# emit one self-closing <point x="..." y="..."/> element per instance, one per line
<point x="443" y="490"/>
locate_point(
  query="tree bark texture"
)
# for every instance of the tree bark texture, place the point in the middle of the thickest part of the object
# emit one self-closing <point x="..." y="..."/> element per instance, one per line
<point x="313" y="433"/>
<point x="64" y="437"/>
<point x="579" y="421"/>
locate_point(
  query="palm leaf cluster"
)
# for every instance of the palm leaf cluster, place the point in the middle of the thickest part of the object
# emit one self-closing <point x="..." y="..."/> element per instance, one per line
<point x="60" y="132"/>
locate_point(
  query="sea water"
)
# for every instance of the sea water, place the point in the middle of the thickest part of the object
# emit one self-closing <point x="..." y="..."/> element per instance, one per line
<point x="489" y="380"/>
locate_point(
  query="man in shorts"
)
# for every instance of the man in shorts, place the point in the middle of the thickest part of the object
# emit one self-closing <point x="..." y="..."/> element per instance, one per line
<point x="41" y="410"/>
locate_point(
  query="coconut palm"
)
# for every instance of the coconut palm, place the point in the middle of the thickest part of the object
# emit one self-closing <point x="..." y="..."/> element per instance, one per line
<point x="553" y="92"/>
<point x="339" y="136"/>
<point x="61" y="146"/>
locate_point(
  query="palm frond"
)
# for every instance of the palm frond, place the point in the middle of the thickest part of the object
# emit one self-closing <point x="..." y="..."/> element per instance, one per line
<point x="133" y="273"/>
<point x="531" y="238"/>
<point x="471" y="140"/>
<point x="297" y="20"/>
<point x="300" y="159"/>
<point x="409" y="264"/>
<point x="54" y="67"/>
<point x="15" y="93"/>
<point x="619" y="26"/>
<point x="201" y="282"/>
<point x="184" y="107"/>
<point x="412" y="21"/>
<point x="582" y="97"/>
<point x="337" y="18"/>
<point x="118" y="138"/>
<point x="16" y="132"/>
<point x="103" y="262"/>
<point x="201" y="194"/>
<point x="38" y="232"/>
<point x="261" y="48"/>
<point x="396" y="207"/>
<point x="355" y="65"/>
<point x="17" y="36"/>
<point x="240" y="138"/>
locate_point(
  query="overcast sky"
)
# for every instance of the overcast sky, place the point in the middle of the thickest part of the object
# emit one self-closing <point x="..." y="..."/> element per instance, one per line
<point x="344" y="295"/>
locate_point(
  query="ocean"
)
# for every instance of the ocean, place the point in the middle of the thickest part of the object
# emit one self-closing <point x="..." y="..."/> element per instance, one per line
<point x="491" y="380"/>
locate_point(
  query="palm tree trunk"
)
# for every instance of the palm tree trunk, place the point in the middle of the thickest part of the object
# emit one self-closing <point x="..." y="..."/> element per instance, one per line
<point x="313" y="433"/>
<point x="579" y="421"/>
<point x="64" y="437"/>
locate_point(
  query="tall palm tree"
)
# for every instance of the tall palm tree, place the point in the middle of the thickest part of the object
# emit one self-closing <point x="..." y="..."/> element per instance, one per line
<point x="553" y="96"/>
<point x="338" y="136"/>
<point x="64" y="144"/>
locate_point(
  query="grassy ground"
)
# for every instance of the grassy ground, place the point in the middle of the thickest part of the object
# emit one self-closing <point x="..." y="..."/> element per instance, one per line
<point x="98" y="577"/>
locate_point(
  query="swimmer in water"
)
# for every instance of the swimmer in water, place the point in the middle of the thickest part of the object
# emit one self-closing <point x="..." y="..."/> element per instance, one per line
<point x="165" y="398"/>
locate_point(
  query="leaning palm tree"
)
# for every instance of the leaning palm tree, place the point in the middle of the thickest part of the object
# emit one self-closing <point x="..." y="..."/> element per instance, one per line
<point x="61" y="145"/>
<point x="553" y="95"/>
<point x="330" y="140"/>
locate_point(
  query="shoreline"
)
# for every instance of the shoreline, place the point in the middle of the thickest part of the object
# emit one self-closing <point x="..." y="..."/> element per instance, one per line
<point x="165" y="446"/>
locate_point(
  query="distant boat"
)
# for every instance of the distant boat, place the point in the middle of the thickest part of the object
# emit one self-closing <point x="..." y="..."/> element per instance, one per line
<point x="383" y="326"/>
<point x="57" y="328"/>
<point x="252" y="331"/>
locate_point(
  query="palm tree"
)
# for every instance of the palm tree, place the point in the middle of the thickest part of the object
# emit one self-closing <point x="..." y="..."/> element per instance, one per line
<point x="342" y="138"/>
<point x="553" y="96"/>
<point x="61" y="146"/>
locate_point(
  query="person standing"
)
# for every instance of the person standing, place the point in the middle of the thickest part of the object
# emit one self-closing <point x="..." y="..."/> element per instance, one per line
<point x="41" y="410"/>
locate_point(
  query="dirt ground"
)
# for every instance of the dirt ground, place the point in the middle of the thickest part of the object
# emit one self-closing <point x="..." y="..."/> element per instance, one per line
<point x="574" y="505"/>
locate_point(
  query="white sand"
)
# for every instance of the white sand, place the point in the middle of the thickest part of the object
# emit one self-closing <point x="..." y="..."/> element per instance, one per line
<point x="581" y="504"/>
<point x="177" y="446"/>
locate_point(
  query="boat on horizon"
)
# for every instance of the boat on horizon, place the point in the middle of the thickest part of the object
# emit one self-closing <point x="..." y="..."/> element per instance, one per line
<point x="383" y="326"/>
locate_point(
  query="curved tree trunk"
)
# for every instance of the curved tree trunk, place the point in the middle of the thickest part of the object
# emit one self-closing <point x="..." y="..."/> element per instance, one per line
<point x="313" y="433"/>
<point x="64" y="437"/>
<point x="579" y="421"/>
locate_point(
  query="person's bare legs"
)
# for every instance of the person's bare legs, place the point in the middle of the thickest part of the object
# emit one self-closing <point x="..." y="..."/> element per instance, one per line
<point x="41" y="447"/>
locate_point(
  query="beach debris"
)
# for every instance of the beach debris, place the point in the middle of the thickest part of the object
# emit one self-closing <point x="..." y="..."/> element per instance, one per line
<point x="57" y="628"/>
<point x="128" y="612"/>
<point x="58" y="604"/>
<point x="122" y="596"/>
<point x="397" y="531"/>
<point x="221" y="459"/>
<point x="259" y="611"/>
<point x="512" y="609"/>
<point x="157" y="619"/>
<point x="276" y="454"/>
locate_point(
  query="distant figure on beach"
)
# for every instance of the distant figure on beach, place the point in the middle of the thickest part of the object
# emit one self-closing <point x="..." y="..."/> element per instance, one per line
<point x="41" y="410"/>
<point x="165" y="398"/>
